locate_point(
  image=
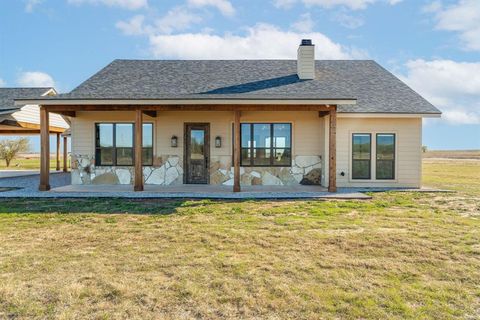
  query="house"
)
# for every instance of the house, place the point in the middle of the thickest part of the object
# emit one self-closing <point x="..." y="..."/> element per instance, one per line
<point x="25" y="120"/>
<point x="242" y="122"/>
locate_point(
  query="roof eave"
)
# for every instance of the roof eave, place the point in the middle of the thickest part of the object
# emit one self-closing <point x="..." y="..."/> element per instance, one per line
<point x="187" y="101"/>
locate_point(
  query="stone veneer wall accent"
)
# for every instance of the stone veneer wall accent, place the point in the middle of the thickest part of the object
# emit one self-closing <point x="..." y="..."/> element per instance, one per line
<point x="167" y="170"/>
<point x="305" y="170"/>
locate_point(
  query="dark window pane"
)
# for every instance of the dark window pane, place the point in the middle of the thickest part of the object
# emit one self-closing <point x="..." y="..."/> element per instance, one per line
<point x="281" y="134"/>
<point x="361" y="169"/>
<point x="104" y="135"/>
<point x="124" y="156"/>
<point x="147" y="135"/>
<point x="104" y="156"/>
<point x="246" y="136"/>
<point x="124" y="135"/>
<point x="261" y="135"/>
<point x="361" y="147"/>
<point x="147" y="156"/>
<point x="385" y="146"/>
<point x="245" y="157"/>
<point x="385" y="169"/>
<point x="261" y="156"/>
<point x="282" y="157"/>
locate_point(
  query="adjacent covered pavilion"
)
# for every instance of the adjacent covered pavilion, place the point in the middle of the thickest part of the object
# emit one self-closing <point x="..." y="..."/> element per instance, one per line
<point x="25" y="120"/>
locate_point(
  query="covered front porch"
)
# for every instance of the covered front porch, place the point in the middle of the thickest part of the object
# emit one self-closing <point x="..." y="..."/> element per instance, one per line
<point x="139" y="172"/>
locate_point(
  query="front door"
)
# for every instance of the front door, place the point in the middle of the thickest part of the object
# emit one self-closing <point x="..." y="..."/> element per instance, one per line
<point x="197" y="147"/>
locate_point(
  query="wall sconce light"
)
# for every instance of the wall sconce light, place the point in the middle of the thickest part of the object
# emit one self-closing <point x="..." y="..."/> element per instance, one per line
<point x="218" y="142"/>
<point x="174" y="142"/>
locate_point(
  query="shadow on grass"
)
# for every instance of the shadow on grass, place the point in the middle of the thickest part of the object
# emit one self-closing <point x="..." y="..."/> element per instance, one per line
<point x="130" y="206"/>
<point x="98" y="205"/>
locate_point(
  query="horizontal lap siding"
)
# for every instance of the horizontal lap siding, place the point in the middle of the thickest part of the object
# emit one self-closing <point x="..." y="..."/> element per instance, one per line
<point x="308" y="129"/>
<point x="408" y="139"/>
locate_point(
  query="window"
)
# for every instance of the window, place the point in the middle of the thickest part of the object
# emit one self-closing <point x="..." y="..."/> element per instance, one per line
<point x="114" y="144"/>
<point x="266" y="144"/>
<point x="385" y="164"/>
<point x="361" y="156"/>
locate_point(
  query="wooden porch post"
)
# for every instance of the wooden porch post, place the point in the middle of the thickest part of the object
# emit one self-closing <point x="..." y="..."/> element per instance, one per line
<point x="332" y="163"/>
<point x="138" y="151"/>
<point x="44" y="151"/>
<point x="58" y="153"/>
<point x="65" y="154"/>
<point x="236" y="152"/>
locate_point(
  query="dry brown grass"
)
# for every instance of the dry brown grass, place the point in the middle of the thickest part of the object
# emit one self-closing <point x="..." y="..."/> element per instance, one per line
<point x="401" y="255"/>
<point x="452" y="154"/>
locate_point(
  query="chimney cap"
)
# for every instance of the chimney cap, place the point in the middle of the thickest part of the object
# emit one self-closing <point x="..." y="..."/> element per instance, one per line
<point x="306" y="42"/>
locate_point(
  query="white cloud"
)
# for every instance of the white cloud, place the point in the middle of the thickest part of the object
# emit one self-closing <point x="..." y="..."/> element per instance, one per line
<point x="176" y="19"/>
<point x="224" y="6"/>
<point x="133" y="27"/>
<point x="35" y="79"/>
<point x="31" y="4"/>
<point x="284" y="4"/>
<point x="127" y="4"/>
<point x="2" y="83"/>
<point x="347" y="20"/>
<point x="452" y="86"/>
<point x="462" y="17"/>
<point x="304" y="24"/>
<point x="352" y="4"/>
<point x="260" y="41"/>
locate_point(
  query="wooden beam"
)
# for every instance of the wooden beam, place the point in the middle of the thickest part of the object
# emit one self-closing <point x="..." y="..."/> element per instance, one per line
<point x="72" y="114"/>
<point x="18" y="132"/>
<point x="332" y="163"/>
<point x="28" y="125"/>
<point x="44" y="151"/>
<point x="138" y="151"/>
<point x="152" y="114"/>
<point x="236" y="152"/>
<point x="322" y="114"/>
<point x="57" y="167"/>
<point x="65" y="154"/>
<point x="197" y="107"/>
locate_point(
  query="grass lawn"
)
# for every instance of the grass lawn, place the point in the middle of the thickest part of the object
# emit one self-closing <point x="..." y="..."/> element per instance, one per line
<point x="29" y="163"/>
<point x="397" y="256"/>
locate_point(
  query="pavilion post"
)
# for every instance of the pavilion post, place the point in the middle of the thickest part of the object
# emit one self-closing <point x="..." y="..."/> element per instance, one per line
<point x="236" y="152"/>
<point x="138" y="151"/>
<point x="332" y="163"/>
<point x="65" y="154"/>
<point x="57" y="167"/>
<point x="44" y="150"/>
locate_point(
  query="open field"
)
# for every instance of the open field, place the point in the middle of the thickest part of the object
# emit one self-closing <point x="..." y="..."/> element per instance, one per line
<point x="398" y="256"/>
<point x="452" y="154"/>
<point x="29" y="162"/>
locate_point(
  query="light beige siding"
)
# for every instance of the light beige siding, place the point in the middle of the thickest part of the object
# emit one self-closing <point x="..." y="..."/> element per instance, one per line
<point x="310" y="137"/>
<point x="307" y="129"/>
<point x="408" y="150"/>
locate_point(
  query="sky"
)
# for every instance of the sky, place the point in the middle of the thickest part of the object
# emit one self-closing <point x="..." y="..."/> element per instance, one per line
<point x="432" y="45"/>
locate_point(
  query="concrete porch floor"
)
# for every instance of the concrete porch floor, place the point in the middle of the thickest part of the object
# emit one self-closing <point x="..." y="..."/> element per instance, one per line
<point x="207" y="191"/>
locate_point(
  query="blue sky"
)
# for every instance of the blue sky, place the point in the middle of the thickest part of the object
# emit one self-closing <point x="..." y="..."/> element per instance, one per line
<point x="434" y="46"/>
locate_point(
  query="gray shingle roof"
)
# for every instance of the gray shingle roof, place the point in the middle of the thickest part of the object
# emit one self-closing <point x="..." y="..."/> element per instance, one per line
<point x="7" y="96"/>
<point x="376" y="89"/>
